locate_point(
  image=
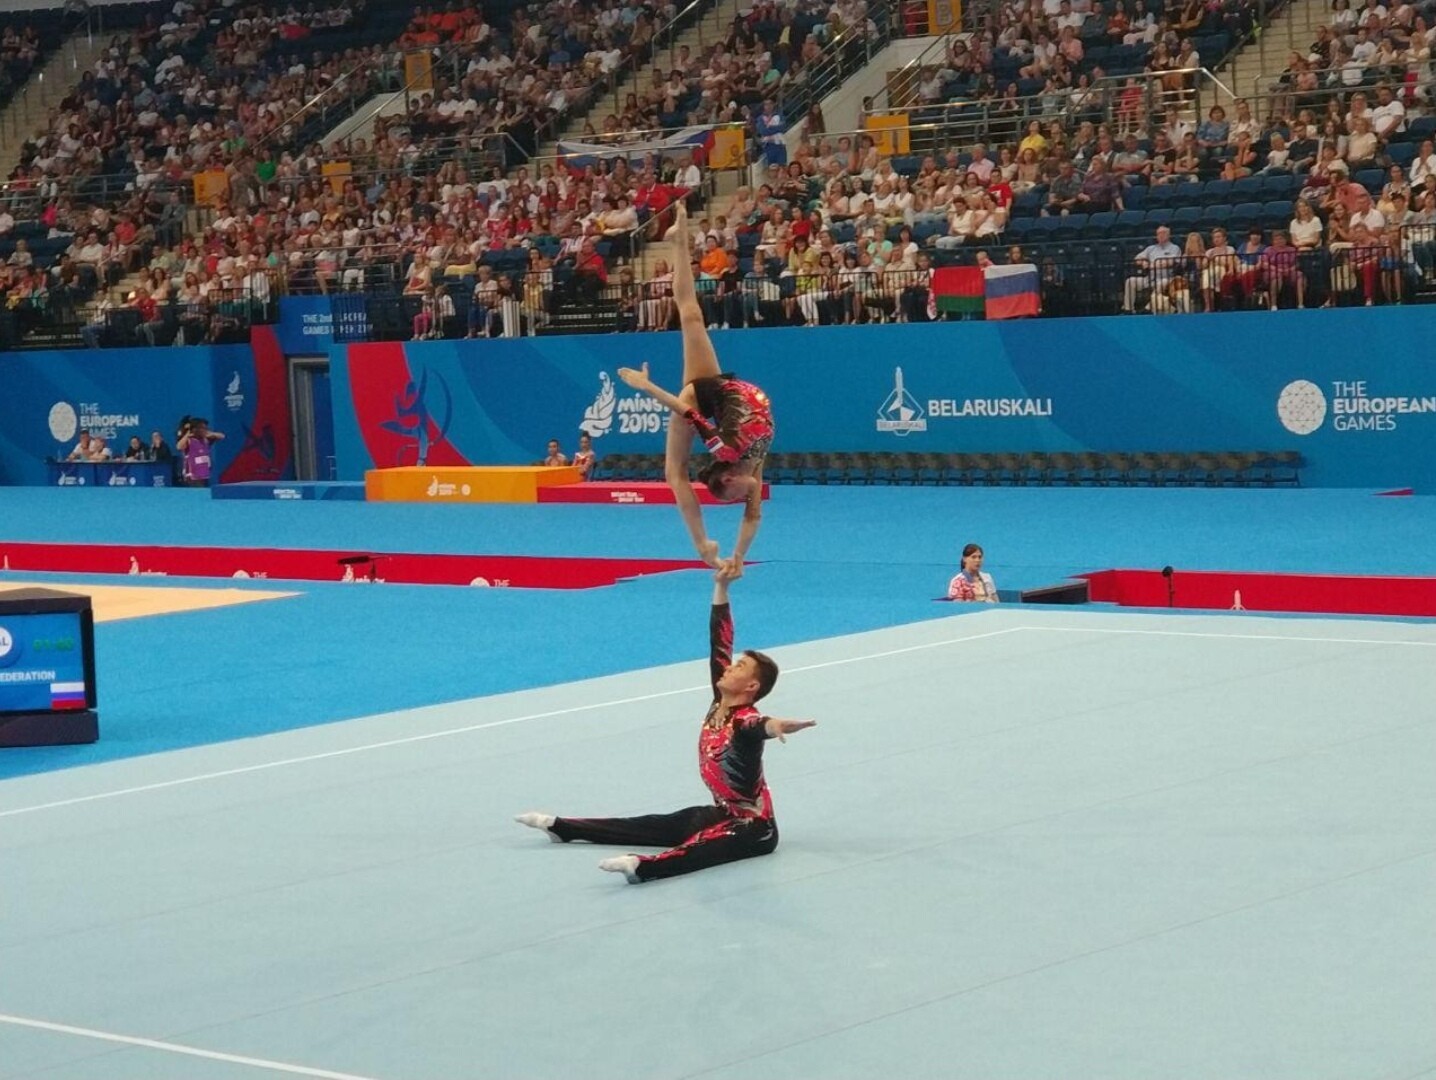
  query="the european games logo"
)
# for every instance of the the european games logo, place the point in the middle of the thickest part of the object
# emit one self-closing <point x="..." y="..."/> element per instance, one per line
<point x="598" y="417"/>
<point x="1301" y="407"/>
<point x="63" y="421"/>
<point x="233" y="398"/>
<point x="9" y="648"/>
<point x="638" y="414"/>
<point x="901" y="412"/>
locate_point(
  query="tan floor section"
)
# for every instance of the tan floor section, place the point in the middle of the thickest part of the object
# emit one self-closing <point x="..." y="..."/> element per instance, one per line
<point x="115" y="602"/>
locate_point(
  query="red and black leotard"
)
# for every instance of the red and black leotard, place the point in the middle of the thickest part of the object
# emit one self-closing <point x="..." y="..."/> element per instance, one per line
<point x="730" y="746"/>
<point x="741" y="424"/>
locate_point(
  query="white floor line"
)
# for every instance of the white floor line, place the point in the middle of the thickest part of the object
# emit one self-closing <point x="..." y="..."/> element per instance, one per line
<point x="1230" y="637"/>
<point x="176" y="1048"/>
<point x="467" y="728"/>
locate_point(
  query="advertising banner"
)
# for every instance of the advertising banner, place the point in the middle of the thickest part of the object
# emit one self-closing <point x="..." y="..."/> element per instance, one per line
<point x="1345" y="388"/>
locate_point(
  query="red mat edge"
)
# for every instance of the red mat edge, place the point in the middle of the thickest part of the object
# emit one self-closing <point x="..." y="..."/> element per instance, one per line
<point x="1216" y="590"/>
<point x="291" y="564"/>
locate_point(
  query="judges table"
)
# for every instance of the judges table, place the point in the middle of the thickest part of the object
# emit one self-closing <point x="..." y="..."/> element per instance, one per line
<point x="111" y="473"/>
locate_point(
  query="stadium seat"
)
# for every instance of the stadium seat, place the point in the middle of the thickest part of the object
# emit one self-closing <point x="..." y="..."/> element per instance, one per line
<point x="1069" y="227"/>
<point x="1278" y="186"/>
<point x="1129" y="223"/>
<point x="1187" y="193"/>
<point x="1248" y="189"/>
<point x="1098" y="225"/>
<point x="1371" y="179"/>
<point x="1213" y="216"/>
<point x="1244" y="216"/>
<point x="1159" y="196"/>
<point x="1402" y="154"/>
<point x="1185" y="218"/>
<point x="1277" y="214"/>
<point x="1217" y="193"/>
<point x="1423" y="127"/>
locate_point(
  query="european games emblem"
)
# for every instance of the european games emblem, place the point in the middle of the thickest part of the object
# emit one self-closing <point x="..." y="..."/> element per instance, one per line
<point x="901" y="413"/>
<point x="9" y="648"/>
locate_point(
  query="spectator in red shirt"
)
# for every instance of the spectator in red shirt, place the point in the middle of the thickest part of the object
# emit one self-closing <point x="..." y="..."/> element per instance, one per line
<point x="150" y="319"/>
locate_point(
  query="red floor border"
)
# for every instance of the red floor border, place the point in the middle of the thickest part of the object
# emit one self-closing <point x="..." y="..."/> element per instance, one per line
<point x="1327" y="594"/>
<point x="516" y="571"/>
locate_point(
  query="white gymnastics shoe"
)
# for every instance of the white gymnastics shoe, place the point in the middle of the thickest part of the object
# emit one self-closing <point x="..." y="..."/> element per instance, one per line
<point x="627" y="865"/>
<point x="540" y="821"/>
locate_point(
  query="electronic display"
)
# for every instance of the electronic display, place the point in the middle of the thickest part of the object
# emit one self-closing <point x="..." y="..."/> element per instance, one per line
<point x="43" y="663"/>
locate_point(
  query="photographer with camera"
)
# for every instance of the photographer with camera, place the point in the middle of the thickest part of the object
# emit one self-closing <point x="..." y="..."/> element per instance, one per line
<point x="193" y="441"/>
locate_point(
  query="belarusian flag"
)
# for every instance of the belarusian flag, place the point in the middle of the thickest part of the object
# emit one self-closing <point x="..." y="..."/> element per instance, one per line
<point x="959" y="289"/>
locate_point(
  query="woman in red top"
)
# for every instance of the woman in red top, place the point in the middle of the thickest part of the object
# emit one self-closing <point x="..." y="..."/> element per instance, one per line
<point x="733" y="418"/>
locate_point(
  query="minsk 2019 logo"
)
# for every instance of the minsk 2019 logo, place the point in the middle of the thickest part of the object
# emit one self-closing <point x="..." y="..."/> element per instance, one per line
<point x="638" y="414"/>
<point x="901" y="413"/>
<point x="415" y="421"/>
<point x="598" y="417"/>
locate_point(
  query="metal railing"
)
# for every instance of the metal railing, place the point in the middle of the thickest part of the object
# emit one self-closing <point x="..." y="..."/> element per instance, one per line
<point x="1070" y="283"/>
<point x="1279" y="93"/>
<point x="224" y="316"/>
<point x="694" y="15"/>
<point x="844" y="55"/>
<point x="956" y="123"/>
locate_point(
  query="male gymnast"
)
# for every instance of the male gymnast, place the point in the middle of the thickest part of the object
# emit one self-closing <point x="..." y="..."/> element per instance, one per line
<point x="739" y="824"/>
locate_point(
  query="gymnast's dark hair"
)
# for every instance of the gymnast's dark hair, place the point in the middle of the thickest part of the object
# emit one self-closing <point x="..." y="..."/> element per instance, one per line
<point x="711" y="475"/>
<point x="767" y="673"/>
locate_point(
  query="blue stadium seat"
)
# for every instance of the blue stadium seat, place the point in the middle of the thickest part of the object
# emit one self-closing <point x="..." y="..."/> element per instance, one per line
<point x="1020" y="230"/>
<point x="1423" y="127"/>
<point x="1248" y="189"/>
<point x="924" y="229"/>
<point x="1099" y="225"/>
<point x="1277" y="214"/>
<point x="1129" y="223"/>
<point x="1045" y="229"/>
<point x="1216" y="215"/>
<point x="906" y="164"/>
<point x="1187" y="194"/>
<point x="1402" y="153"/>
<point x="1071" y="227"/>
<point x="1184" y="219"/>
<point x="1028" y="204"/>
<point x="1243" y="217"/>
<point x="1279" y="185"/>
<point x="843" y="232"/>
<point x="1370" y="179"/>
<point x="1134" y="196"/>
<point x="1217" y="193"/>
<point x="1159" y="196"/>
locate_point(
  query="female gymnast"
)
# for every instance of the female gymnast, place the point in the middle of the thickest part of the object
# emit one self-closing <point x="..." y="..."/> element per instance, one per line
<point x="733" y="418"/>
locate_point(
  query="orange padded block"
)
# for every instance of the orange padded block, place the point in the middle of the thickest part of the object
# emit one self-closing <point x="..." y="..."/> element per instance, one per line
<point x="467" y="483"/>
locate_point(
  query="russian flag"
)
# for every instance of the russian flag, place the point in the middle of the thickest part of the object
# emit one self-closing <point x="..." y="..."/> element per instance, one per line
<point x="1011" y="291"/>
<point x="67" y="695"/>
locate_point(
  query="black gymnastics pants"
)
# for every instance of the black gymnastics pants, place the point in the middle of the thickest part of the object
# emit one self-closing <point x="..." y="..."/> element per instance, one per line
<point x="696" y="838"/>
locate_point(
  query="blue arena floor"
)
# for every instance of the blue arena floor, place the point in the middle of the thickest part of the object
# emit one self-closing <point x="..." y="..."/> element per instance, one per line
<point x="1021" y="844"/>
<point x="833" y="561"/>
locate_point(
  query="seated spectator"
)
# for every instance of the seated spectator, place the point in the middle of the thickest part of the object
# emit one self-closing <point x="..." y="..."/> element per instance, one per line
<point x="159" y="450"/>
<point x="555" y="456"/>
<point x="1157" y="263"/>
<point x="1280" y="275"/>
<point x="1063" y="194"/>
<point x="1219" y="270"/>
<point x="585" y="457"/>
<point x="136" y="450"/>
<point x="971" y="584"/>
<point x="81" y="452"/>
<point x="98" y="451"/>
<point x="1100" y="189"/>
